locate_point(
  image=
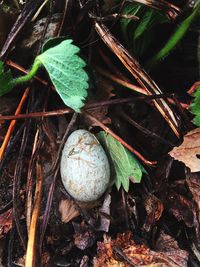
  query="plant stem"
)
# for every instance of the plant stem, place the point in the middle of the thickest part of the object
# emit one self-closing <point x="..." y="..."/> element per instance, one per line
<point x="28" y="76"/>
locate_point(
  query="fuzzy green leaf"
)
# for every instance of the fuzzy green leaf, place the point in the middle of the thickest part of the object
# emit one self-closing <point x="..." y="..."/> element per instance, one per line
<point x="65" y="69"/>
<point x="5" y="79"/>
<point x="124" y="164"/>
<point x="195" y="107"/>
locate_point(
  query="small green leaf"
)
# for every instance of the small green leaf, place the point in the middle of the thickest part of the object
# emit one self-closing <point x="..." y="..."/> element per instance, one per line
<point x="125" y="165"/>
<point x="195" y="107"/>
<point x="65" y="69"/>
<point x="5" y="79"/>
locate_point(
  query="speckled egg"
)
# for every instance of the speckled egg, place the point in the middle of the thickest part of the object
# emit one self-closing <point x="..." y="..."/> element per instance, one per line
<point x="84" y="168"/>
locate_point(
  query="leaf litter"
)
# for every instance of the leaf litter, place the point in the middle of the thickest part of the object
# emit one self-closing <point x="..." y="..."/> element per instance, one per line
<point x="152" y="218"/>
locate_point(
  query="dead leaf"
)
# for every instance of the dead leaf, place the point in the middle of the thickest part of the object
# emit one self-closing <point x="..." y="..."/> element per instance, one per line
<point x="181" y="207"/>
<point x="193" y="181"/>
<point x="5" y="222"/>
<point x="189" y="150"/>
<point x="68" y="210"/>
<point x="169" y="246"/>
<point x="154" y="208"/>
<point x="105" y="214"/>
<point x="124" y="252"/>
<point x="84" y="237"/>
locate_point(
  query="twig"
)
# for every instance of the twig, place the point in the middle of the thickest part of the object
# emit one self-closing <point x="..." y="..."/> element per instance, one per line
<point x="17" y="183"/>
<point x="87" y="107"/>
<point x="144" y="130"/>
<point x="13" y="122"/>
<point x="130" y="148"/>
<point x="31" y="248"/>
<point x="139" y="74"/>
<point x="52" y="187"/>
<point x="122" y="82"/>
<point x="133" y="87"/>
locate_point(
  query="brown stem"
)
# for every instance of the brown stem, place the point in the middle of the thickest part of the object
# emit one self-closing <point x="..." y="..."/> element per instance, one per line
<point x="107" y="130"/>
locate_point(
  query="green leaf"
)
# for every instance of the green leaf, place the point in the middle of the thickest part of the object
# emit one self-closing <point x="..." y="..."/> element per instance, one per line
<point x="141" y="34"/>
<point x="125" y="165"/>
<point x="5" y="79"/>
<point x="65" y="69"/>
<point x="195" y="107"/>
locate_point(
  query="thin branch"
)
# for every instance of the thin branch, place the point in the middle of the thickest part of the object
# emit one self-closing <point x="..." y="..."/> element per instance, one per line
<point x="130" y="148"/>
<point x="31" y="248"/>
<point x="13" y="122"/>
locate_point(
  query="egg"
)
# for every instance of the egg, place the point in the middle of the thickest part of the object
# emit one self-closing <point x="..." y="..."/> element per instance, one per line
<point x="84" y="168"/>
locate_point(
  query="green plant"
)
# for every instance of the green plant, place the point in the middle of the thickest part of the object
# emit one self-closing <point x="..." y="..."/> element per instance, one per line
<point x="176" y="36"/>
<point x="140" y="35"/>
<point x="195" y="107"/>
<point x="124" y="165"/>
<point x="65" y="69"/>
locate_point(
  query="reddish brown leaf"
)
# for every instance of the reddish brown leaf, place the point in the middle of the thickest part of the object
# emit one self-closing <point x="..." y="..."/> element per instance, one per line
<point x="181" y="207"/>
<point x="169" y="246"/>
<point x="5" y="222"/>
<point x="123" y="251"/>
<point x="154" y="209"/>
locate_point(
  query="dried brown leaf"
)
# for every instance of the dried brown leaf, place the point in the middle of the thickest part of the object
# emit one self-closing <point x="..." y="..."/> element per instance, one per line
<point x="5" y="222"/>
<point x="124" y="252"/>
<point x="181" y="207"/>
<point x="193" y="181"/>
<point x="68" y="210"/>
<point x="154" y="208"/>
<point x="189" y="150"/>
<point x="105" y="214"/>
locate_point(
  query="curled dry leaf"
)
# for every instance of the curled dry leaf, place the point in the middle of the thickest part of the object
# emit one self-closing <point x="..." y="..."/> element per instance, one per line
<point x="154" y="209"/>
<point x="189" y="150"/>
<point x="124" y="252"/>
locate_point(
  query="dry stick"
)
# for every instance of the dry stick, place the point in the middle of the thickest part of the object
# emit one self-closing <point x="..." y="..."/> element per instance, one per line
<point x="130" y="148"/>
<point x="87" y="107"/>
<point x="52" y="187"/>
<point x="13" y="122"/>
<point x="29" y="183"/>
<point x="31" y="248"/>
<point x="59" y="31"/>
<point x="132" y="86"/>
<point x="138" y="73"/>
<point x="122" y="82"/>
